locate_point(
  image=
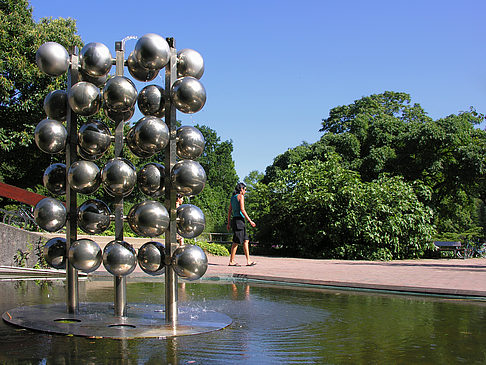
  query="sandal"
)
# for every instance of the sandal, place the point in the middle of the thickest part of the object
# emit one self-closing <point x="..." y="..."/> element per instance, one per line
<point x="252" y="264"/>
<point x="234" y="265"/>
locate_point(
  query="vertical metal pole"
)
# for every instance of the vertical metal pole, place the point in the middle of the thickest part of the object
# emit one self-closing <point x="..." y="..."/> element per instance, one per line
<point x="72" y="296"/>
<point x="120" y="283"/>
<point x="170" y="194"/>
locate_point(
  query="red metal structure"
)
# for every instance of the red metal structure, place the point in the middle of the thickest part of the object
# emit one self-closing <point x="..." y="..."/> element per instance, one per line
<point x="20" y="195"/>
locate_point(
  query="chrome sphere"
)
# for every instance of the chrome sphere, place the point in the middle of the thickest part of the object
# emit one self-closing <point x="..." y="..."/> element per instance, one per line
<point x="132" y="145"/>
<point x="151" y="101"/>
<point x="50" y="214"/>
<point x="98" y="81"/>
<point x="188" y="95"/>
<point x="150" y="179"/>
<point x="119" y="116"/>
<point x="188" y="177"/>
<point x="148" y="218"/>
<point x="189" y="63"/>
<point x="54" y="252"/>
<point x="93" y="216"/>
<point x="190" y="142"/>
<point x="152" y="51"/>
<point x="94" y="137"/>
<point x="190" y="262"/>
<point x="190" y="221"/>
<point x="85" y="255"/>
<point x="86" y="156"/>
<point x="138" y="72"/>
<point x="56" y="105"/>
<point x="54" y="179"/>
<point x="84" y="98"/>
<point x="119" y="177"/>
<point x="151" y="258"/>
<point x="52" y="59"/>
<point x="50" y="136"/>
<point x="95" y="59"/>
<point x="151" y="134"/>
<point x="119" y="94"/>
<point x="84" y="177"/>
<point x="119" y="258"/>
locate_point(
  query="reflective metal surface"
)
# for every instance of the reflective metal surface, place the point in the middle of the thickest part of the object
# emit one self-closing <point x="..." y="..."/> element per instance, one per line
<point x="52" y="59"/>
<point x="190" y="262"/>
<point x="50" y="136"/>
<point x="119" y="177"/>
<point x="54" y="252"/>
<point x="148" y="219"/>
<point x="151" y="258"/>
<point x="93" y="216"/>
<point x="190" y="221"/>
<point x="151" y="101"/>
<point x="118" y="116"/>
<point x="85" y="255"/>
<point x="138" y="72"/>
<point x="119" y="94"/>
<point x="94" y="137"/>
<point x="190" y="142"/>
<point x="95" y="59"/>
<point x="50" y="214"/>
<point x="151" y="134"/>
<point x="54" y="179"/>
<point x="152" y="51"/>
<point x="98" y="81"/>
<point x="188" y="177"/>
<point x="188" y="94"/>
<point x="119" y="258"/>
<point x="55" y="105"/>
<point x="84" y="98"/>
<point x="189" y="63"/>
<point x="84" y="177"/>
<point x="136" y="150"/>
<point x="150" y="179"/>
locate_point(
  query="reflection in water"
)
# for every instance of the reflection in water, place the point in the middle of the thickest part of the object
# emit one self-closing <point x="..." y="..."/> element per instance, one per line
<point x="271" y="324"/>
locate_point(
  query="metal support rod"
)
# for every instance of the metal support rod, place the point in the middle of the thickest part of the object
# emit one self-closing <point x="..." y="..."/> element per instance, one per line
<point x="72" y="295"/>
<point x="170" y="194"/>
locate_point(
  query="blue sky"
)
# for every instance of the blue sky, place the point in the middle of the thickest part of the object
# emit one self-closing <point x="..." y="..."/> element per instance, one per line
<point x="274" y="69"/>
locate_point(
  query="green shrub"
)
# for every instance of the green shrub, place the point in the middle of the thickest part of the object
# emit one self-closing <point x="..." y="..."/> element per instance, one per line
<point x="210" y="248"/>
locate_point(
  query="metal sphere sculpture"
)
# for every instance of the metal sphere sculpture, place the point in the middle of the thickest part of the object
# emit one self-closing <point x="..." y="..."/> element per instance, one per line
<point x="85" y="255"/>
<point x="152" y="51"/>
<point x="190" y="262"/>
<point x="94" y="137"/>
<point x="150" y="179"/>
<point x="50" y="136"/>
<point x="119" y="177"/>
<point x="190" y="142"/>
<point x="189" y="63"/>
<point x="151" y="134"/>
<point x="50" y="214"/>
<point x="149" y="218"/>
<point x="52" y="59"/>
<point x="188" y="95"/>
<point x="93" y="216"/>
<point x="151" y="101"/>
<point x="188" y="177"/>
<point x="119" y="258"/>
<point x="190" y="221"/>
<point x="132" y="145"/>
<point x="138" y="72"/>
<point x="98" y="81"/>
<point x="84" y="98"/>
<point x="151" y="258"/>
<point x="54" y="179"/>
<point x="54" y="252"/>
<point x="56" y="105"/>
<point x="84" y="177"/>
<point x="95" y="59"/>
<point x="119" y="94"/>
<point x="117" y="116"/>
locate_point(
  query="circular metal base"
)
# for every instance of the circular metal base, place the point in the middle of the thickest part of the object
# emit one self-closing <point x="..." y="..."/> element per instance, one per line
<point x="97" y="320"/>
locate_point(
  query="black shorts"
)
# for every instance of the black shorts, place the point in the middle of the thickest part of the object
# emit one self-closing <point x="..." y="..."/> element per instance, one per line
<point x="239" y="230"/>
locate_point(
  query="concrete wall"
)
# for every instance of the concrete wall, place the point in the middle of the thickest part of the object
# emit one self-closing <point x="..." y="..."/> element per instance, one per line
<point x="13" y="239"/>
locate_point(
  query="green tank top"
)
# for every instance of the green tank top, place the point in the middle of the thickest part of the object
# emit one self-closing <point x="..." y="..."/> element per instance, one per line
<point x="235" y="207"/>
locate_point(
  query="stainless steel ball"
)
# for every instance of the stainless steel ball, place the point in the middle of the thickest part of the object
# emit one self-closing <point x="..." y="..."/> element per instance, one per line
<point x="98" y="81"/>
<point x="95" y="59"/>
<point x="132" y="145"/>
<point x="54" y="252"/>
<point x="50" y="214"/>
<point x="52" y="59"/>
<point x="119" y="258"/>
<point x="85" y="255"/>
<point x="151" y="258"/>
<point x="54" y="179"/>
<point x="84" y="177"/>
<point x="190" y="142"/>
<point x="190" y="262"/>
<point x="93" y="216"/>
<point x="86" y="156"/>
<point x="152" y="51"/>
<point x="94" y="137"/>
<point x="50" y="136"/>
<point x="119" y="177"/>
<point x="188" y="177"/>
<point x="189" y="63"/>
<point x="188" y="95"/>
<point x="138" y="72"/>
<point x="190" y="221"/>
<point x="84" y="98"/>
<point x="151" y="134"/>
<point x="149" y="218"/>
<point x="151" y="101"/>
<point x="56" y="105"/>
<point x="150" y="179"/>
<point x="119" y="116"/>
<point x="119" y="94"/>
